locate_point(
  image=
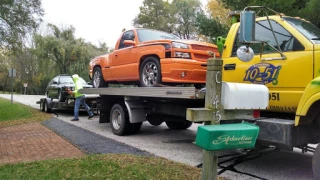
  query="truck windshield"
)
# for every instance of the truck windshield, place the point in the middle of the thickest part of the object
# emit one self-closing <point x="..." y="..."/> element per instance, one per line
<point x="149" y="35"/>
<point x="309" y="30"/>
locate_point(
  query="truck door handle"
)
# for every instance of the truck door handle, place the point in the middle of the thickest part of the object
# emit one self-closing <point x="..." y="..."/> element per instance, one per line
<point x="230" y="67"/>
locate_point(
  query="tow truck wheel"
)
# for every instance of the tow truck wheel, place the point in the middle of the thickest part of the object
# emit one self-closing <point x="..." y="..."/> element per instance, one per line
<point x="155" y="123"/>
<point x="316" y="163"/>
<point x="97" y="78"/>
<point x="179" y="124"/>
<point x="150" y="72"/>
<point x="119" y="120"/>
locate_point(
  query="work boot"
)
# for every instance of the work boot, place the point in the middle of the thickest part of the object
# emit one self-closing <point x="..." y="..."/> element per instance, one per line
<point x="90" y="116"/>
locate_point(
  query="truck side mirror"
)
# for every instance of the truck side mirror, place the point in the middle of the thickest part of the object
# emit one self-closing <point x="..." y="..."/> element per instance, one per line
<point x="129" y="42"/>
<point x="247" y="35"/>
<point x="247" y="26"/>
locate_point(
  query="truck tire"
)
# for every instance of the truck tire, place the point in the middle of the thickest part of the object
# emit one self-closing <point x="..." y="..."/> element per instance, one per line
<point x="45" y="106"/>
<point x="150" y="72"/>
<point x="97" y="78"/>
<point x="155" y="120"/>
<point x="155" y="123"/>
<point x="61" y="98"/>
<point x="316" y="163"/>
<point x="119" y="120"/>
<point x="179" y="124"/>
<point x="41" y="105"/>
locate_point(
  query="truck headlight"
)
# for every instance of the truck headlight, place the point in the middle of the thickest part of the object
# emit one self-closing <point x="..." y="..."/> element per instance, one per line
<point x="182" y="55"/>
<point x="180" y="45"/>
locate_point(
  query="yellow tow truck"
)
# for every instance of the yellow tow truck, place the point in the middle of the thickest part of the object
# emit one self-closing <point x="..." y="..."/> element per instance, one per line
<point x="283" y="53"/>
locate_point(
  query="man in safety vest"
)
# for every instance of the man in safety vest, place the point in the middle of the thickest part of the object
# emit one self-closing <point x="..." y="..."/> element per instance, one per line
<point x="80" y="99"/>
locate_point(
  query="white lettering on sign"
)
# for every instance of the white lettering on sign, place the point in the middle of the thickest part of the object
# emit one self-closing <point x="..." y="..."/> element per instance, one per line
<point x="217" y="113"/>
<point x="226" y="139"/>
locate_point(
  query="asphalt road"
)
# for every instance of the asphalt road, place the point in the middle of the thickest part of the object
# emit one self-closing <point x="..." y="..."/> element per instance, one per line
<point x="178" y="146"/>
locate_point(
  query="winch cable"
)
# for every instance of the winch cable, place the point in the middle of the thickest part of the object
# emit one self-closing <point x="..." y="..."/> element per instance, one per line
<point x="243" y="158"/>
<point x="240" y="158"/>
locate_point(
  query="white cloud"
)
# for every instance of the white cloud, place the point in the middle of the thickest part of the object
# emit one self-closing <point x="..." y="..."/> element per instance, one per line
<point x="94" y="20"/>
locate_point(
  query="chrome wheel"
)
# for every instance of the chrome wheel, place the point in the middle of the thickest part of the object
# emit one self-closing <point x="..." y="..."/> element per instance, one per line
<point x="96" y="78"/>
<point x="150" y="74"/>
<point x="116" y="119"/>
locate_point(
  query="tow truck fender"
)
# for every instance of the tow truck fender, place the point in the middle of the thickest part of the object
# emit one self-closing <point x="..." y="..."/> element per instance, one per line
<point x="310" y="95"/>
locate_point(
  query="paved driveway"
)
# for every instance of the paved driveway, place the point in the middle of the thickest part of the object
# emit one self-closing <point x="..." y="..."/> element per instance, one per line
<point x="178" y="146"/>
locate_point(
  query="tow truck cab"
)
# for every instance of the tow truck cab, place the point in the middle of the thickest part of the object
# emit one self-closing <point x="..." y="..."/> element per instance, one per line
<point x="286" y="59"/>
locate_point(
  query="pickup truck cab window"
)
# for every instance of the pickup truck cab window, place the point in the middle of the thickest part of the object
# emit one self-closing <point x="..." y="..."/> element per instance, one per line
<point x="149" y="35"/>
<point x="309" y="30"/>
<point x="128" y="35"/>
<point x="286" y="40"/>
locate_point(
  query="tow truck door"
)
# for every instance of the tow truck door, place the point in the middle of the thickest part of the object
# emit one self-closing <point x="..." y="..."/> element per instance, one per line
<point x="286" y="79"/>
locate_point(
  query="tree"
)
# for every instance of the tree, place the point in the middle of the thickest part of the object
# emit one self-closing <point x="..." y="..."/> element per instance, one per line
<point x="59" y="52"/>
<point x="210" y="27"/>
<point x="218" y="12"/>
<point x="307" y="9"/>
<point x="311" y="12"/>
<point x="17" y="18"/>
<point x="155" y="14"/>
<point x="178" y="17"/>
<point x="59" y="46"/>
<point x="185" y="13"/>
<point x="4" y="66"/>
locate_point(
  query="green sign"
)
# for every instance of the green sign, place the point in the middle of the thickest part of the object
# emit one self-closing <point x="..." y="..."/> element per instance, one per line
<point x="227" y="136"/>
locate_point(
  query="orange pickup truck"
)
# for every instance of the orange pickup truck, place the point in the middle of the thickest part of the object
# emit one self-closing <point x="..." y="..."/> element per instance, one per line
<point x="149" y="58"/>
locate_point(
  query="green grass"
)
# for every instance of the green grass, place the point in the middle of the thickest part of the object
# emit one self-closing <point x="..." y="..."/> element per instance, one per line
<point x="13" y="111"/>
<point x="111" y="166"/>
<point x="16" y="113"/>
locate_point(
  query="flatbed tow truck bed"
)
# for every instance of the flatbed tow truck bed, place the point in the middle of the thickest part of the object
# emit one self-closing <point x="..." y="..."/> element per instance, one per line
<point x="49" y="104"/>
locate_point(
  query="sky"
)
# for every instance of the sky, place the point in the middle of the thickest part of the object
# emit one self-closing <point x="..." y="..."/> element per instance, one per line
<point x="94" y="20"/>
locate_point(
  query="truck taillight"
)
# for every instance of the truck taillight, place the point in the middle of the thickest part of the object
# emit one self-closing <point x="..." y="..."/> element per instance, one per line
<point x="256" y="113"/>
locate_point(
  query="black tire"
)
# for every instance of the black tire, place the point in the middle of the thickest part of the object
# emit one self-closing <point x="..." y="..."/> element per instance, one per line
<point x="46" y="109"/>
<point x="136" y="127"/>
<point x="41" y="106"/>
<point x="61" y="98"/>
<point x="97" y="78"/>
<point x="316" y="163"/>
<point x="150" y="72"/>
<point x="155" y="122"/>
<point x="179" y="124"/>
<point x="119" y="120"/>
